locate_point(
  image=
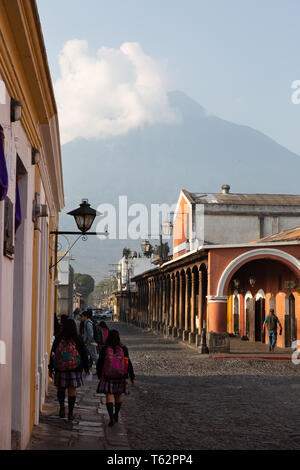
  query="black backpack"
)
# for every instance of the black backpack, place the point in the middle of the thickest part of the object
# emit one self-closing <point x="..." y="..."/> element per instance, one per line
<point x="98" y="336"/>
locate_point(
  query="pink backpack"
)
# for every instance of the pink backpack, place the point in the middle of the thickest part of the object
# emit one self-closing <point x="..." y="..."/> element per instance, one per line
<point x="115" y="363"/>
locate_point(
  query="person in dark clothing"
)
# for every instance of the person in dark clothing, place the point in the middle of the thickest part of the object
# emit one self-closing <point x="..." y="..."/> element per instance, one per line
<point x="272" y="322"/>
<point x="70" y="378"/>
<point x="63" y="319"/>
<point x="105" y="331"/>
<point x="56" y="325"/>
<point x="113" y="388"/>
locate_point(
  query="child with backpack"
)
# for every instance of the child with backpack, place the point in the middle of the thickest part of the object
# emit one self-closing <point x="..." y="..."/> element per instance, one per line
<point x="89" y="331"/>
<point x="113" y="368"/>
<point x="68" y="359"/>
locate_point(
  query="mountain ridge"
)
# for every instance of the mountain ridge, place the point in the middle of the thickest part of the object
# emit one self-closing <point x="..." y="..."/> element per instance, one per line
<point x="153" y="163"/>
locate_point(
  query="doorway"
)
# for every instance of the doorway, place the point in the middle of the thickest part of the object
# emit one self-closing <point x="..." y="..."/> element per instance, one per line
<point x="259" y="319"/>
<point x="236" y="315"/>
<point x="290" y="324"/>
<point x="248" y="305"/>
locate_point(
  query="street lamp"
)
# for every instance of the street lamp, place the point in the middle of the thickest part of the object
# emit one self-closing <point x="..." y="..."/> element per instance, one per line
<point x="84" y="216"/>
<point x="167" y="228"/>
<point x="146" y="247"/>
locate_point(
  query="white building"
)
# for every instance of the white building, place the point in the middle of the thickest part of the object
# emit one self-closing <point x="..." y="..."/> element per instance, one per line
<point x="65" y="276"/>
<point x="131" y="267"/>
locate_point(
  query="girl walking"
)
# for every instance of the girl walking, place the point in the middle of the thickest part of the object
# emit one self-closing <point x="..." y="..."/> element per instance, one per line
<point x="113" y="368"/>
<point x="68" y="359"/>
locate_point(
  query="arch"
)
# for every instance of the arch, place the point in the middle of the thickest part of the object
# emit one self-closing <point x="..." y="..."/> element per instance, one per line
<point x="248" y="310"/>
<point x="260" y="295"/>
<point x="195" y="269"/>
<point x="272" y="253"/>
<point x="203" y="267"/>
<point x="259" y="315"/>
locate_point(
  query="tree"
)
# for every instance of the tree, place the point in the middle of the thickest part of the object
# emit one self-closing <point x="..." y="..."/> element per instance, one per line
<point x="165" y="250"/>
<point x="104" y="289"/>
<point x="126" y="252"/>
<point x="84" y="284"/>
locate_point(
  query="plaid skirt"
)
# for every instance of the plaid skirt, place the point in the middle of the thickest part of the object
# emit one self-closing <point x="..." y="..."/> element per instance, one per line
<point x="113" y="386"/>
<point x="69" y="378"/>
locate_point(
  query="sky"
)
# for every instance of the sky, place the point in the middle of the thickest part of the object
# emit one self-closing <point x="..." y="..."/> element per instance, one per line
<point x="237" y="58"/>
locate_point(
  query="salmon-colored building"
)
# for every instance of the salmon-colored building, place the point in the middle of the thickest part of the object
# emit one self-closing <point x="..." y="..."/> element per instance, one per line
<point x="210" y="290"/>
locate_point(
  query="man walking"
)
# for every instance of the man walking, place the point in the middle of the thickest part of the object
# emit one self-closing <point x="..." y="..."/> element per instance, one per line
<point x="88" y="337"/>
<point x="272" y="322"/>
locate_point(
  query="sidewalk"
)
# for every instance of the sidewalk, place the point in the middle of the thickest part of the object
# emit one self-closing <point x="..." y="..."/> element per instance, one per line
<point x="88" y="431"/>
<point x="241" y="349"/>
<point x="254" y="350"/>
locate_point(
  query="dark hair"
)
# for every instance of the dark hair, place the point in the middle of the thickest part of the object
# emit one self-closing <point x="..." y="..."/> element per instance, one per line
<point x="113" y="339"/>
<point x="103" y="324"/>
<point x="64" y="318"/>
<point x="272" y="310"/>
<point x="70" y="330"/>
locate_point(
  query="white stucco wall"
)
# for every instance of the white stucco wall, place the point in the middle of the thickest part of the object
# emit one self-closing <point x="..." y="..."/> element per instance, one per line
<point x="16" y="295"/>
<point x="6" y="283"/>
<point x="286" y="223"/>
<point x="221" y="229"/>
<point x="22" y="289"/>
<point x="135" y="266"/>
<point x="63" y="269"/>
<point x="230" y="229"/>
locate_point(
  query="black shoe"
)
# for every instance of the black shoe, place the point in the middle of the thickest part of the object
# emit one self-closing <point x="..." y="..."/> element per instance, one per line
<point x="62" y="412"/>
<point x="111" y="423"/>
<point x="116" y="418"/>
<point x="71" y="401"/>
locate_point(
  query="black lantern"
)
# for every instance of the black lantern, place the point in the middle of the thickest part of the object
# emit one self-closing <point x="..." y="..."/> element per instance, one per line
<point x="84" y="216"/>
<point x="146" y="247"/>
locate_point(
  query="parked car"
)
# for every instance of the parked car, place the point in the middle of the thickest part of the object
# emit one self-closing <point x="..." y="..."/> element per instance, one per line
<point x="106" y="315"/>
<point x="97" y="314"/>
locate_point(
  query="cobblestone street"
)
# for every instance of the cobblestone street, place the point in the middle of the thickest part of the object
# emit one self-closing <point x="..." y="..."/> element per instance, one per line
<point x="184" y="400"/>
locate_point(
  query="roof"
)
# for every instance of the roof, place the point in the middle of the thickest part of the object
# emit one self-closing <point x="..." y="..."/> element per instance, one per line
<point x="291" y="234"/>
<point x="246" y="199"/>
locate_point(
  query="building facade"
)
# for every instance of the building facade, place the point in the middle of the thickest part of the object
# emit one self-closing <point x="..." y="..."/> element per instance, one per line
<point x="31" y="190"/>
<point x="216" y="289"/>
<point x="125" y="298"/>
<point x="65" y="290"/>
<point x="225" y="217"/>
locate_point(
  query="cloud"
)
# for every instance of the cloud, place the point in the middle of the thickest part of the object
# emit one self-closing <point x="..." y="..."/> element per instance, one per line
<point x="111" y="93"/>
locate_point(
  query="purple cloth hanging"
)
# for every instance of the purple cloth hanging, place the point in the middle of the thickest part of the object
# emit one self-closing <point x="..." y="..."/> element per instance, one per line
<point x="3" y="173"/>
<point x="18" y="212"/>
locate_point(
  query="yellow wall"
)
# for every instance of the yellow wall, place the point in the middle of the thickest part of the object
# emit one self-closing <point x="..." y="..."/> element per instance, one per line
<point x="229" y="316"/>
